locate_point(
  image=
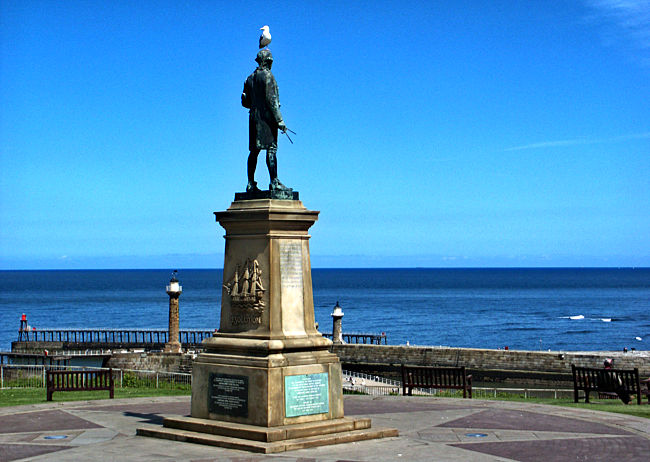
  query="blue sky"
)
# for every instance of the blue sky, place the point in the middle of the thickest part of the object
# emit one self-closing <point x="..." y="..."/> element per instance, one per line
<point x="437" y="134"/>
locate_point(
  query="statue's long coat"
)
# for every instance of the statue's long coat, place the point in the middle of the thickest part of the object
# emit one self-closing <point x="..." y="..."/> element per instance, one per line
<point x="261" y="97"/>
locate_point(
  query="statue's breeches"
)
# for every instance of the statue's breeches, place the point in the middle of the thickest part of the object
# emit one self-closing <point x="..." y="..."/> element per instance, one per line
<point x="263" y="134"/>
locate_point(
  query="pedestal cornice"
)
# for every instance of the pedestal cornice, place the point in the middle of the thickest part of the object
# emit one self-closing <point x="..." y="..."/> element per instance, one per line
<point x="265" y="216"/>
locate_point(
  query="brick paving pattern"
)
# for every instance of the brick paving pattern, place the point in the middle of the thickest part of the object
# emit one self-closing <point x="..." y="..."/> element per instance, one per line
<point x="41" y="421"/>
<point x="11" y="452"/>
<point x="523" y="420"/>
<point x="628" y="449"/>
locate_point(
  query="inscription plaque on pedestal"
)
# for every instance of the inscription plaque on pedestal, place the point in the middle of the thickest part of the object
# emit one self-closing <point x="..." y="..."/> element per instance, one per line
<point x="228" y="395"/>
<point x="306" y="394"/>
<point x="291" y="265"/>
<point x="292" y="285"/>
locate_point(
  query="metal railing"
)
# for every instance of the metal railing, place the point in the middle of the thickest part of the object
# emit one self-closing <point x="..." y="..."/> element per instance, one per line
<point x="101" y="352"/>
<point x="155" y="336"/>
<point x="373" y="378"/>
<point x="371" y="339"/>
<point x="357" y="382"/>
<point x="33" y="376"/>
<point x="114" y="336"/>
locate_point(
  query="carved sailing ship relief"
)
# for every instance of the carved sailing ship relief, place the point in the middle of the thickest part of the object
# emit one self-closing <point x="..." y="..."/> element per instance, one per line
<point x="246" y="294"/>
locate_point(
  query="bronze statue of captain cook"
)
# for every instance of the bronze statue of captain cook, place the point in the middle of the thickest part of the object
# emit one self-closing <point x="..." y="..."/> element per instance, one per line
<point x="261" y="97"/>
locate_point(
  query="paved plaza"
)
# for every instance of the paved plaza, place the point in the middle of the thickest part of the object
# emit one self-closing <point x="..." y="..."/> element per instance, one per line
<point x="431" y="429"/>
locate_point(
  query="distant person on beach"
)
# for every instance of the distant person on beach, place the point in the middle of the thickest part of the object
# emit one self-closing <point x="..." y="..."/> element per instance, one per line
<point x="613" y="382"/>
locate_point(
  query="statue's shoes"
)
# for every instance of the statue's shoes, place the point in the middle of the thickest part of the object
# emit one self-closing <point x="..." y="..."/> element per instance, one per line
<point x="277" y="186"/>
<point x="252" y="187"/>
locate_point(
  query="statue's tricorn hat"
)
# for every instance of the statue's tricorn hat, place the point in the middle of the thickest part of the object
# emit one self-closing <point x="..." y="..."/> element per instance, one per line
<point x="263" y="55"/>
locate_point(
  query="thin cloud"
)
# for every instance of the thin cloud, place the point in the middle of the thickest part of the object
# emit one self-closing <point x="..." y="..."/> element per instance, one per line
<point x="579" y="141"/>
<point x="630" y="19"/>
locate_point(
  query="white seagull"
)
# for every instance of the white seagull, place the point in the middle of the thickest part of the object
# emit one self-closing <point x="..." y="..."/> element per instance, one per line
<point x="265" y="38"/>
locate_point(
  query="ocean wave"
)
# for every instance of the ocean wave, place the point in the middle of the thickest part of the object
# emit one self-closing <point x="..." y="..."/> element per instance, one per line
<point x="585" y="331"/>
<point x="581" y="316"/>
<point x="527" y="329"/>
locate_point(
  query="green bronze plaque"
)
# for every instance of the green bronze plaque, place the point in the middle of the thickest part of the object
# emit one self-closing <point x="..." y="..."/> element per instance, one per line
<point x="306" y="394"/>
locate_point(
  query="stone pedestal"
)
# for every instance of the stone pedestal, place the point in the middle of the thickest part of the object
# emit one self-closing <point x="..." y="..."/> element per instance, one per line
<point x="267" y="333"/>
<point x="267" y="378"/>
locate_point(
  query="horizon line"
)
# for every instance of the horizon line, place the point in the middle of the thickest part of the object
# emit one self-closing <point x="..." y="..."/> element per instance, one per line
<point x="338" y="268"/>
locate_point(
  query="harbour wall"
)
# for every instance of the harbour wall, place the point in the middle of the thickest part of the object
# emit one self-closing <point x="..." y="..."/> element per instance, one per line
<point x="504" y="367"/>
<point x="118" y="358"/>
<point x="159" y="362"/>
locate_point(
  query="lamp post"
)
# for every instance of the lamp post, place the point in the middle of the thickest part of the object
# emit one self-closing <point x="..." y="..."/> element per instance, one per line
<point x="337" y="323"/>
<point x="174" y="290"/>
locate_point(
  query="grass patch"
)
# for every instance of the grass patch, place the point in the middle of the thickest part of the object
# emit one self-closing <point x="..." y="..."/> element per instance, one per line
<point x="608" y="405"/>
<point x="20" y="396"/>
<point x="347" y="391"/>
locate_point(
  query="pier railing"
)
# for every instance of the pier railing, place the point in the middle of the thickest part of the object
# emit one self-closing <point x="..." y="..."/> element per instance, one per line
<point x="372" y="339"/>
<point x="115" y="336"/>
<point x="187" y="337"/>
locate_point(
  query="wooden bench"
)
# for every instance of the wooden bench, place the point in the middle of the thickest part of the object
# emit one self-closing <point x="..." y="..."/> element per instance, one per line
<point x="606" y="381"/>
<point x="454" y="378"/>
<point x="79" y="381"/>
<point x="645" y="391"/>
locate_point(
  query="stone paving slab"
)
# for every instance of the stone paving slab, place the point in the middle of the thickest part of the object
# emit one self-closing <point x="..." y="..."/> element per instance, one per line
<point x="382" y="406"/>
<point x="177" y="408"/>
<point x="430" y="429"/>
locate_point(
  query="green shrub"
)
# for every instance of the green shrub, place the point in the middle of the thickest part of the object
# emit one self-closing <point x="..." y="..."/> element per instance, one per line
<point x="130" y="380"/>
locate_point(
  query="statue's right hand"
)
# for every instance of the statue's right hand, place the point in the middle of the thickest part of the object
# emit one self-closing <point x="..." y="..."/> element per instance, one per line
<point x="282" y="126"/>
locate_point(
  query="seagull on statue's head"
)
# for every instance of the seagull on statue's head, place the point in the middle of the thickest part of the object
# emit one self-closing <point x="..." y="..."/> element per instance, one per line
<point x="265" y="38"/>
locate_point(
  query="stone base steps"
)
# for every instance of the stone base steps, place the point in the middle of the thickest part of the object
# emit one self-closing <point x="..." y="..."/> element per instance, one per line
<point x="265" y="439"/>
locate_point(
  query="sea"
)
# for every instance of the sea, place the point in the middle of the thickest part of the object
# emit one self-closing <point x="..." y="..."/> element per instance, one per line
<point x="570" y="309"/>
